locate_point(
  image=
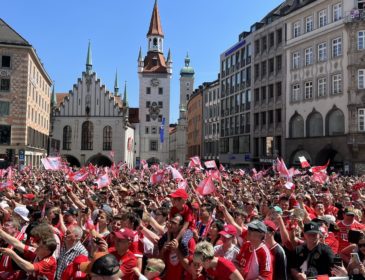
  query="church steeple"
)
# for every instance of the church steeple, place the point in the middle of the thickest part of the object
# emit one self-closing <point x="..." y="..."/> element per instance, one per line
<point x="125" y="97"/>
<point x="89" y="63"/>
<point x="116" y="86"/>
<point x="155" y="34"/>
<point x="53" y="98"/>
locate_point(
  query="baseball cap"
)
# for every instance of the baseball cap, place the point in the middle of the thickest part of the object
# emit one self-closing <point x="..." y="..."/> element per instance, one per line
<point x="311" y="227"/>
<point x="71" y="211"/>
<point x="23" y="212"/>
<point x="124" y="234"/>
<point x="29" y="196"/>
<point x="258" y="226"/>
<point x="179" y="193"/>
<point x="103" y="264"/>
<point x="277" y="209"/>
<point x="228" y="231"/>
<point x="21" y="189"/>
<point x="350" y="211"/>
<point x="271" y="225"/>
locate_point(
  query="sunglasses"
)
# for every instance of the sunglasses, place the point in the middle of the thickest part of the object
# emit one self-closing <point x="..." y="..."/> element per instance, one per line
<point x="151" y="269"/>
<point x="361" y="245"/>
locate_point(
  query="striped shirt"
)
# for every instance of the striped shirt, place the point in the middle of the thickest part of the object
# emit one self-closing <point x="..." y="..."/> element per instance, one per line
<point x="66" y="257"/>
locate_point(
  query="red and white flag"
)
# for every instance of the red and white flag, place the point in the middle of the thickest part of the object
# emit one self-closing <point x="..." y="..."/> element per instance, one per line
<point x="323" y="168"/>
<point x="157" y="177"/>
<point x="294" y="172"/>
<point x="210" y="164"/>
<point x="215" y="174"/>
<point x="2" y="173"/>
<point x="144" y="164"/>
<point x="206" y="186"/>
<point x="10" y="173"/>
<point x="103" y="181"/>
<point x="78" y="176"/>
<point x="52" y="163"/>
<point x="7" y="185"/>
<point x="195" y="162"/>
<point x="320" y="177"/>
<point x="281" y="168"/>
<point x="221" y="168"/>
<point x="175" y="173"/>
<point x="241" y="172"/>
<point x="289" y="186"/>
<point x="303" y="162"/>
<point x="92" y="169"/>
<point x="182" y="184"/>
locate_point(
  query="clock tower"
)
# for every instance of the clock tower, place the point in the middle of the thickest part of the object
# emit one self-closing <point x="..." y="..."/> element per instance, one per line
<point x="154" y="73"/>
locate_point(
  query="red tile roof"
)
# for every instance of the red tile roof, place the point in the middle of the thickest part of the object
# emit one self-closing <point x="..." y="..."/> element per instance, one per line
<point x="155" y="24"/>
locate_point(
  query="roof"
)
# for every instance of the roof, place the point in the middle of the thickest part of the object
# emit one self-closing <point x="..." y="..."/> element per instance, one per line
<point x="133" y="115"/>
<point x="187" y="69"/>
<point x="60" y="97"/>
<point x="155" y="62"/>
<point x="9" y="36"/>
<point x="155" y="24"/>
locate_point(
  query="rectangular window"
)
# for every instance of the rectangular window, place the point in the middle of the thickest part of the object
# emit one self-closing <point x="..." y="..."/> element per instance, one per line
<point x="296" y="29"/>
<point x="322" y="51"/>
<point x="278" y="63"/>
<point x="322" y="18"/>
<point x="279" y="36"/>
<point x="5" y="61"/>
<point x="271" y="65"/>
<point x="159" y="118"/>
<point x="5" y="134"/>
<point x="4" y="84"/>
<point x="336" y="84"/>
<point x="153" y="145"/>
<point x="322" y="87"/>
<point x="271" y="39"/>
<point x="361" y="119"/>
<point x="309" y="24"/>
<point x="278" y="89"/>
<point x="160" y="90"/>
<point x="4" y="108"/>
<point x="296" y="60"/>
<point x="148" y="90"/>
<point x="308" y="56"/>
<point x="263" y="69"/>
<point x="308" y="90"/>
<point x="337" y="47"/>
<point x="147" y="130"/>
<point x="337" y="12"/>
<point x="361" y="40"/>
<point x="160" y="104"/>
<point x="295" y="96"/>
<point x="148" y="118"/>
<point x="264" y="44"/>
<point x="148" y="104"/>
<point x="154" y="130"/>
<point x="361" y="79"/>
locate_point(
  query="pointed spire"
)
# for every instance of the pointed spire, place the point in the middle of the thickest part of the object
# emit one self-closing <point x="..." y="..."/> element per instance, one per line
<point x="155" y="24"/>
<point x="89" y="63"/>
<point x="140" y="54"/>
<point x="125" y="97"/>
<point x="187" y="60"/>
<point x="53" y="98"/>
<point x="116" y="86"/>
<point x="169" y="56"/>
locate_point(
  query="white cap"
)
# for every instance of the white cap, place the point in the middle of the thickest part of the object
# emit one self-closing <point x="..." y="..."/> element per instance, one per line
<point x="23" y="212"/>
<point x="4" y="204"/>
<point x="22" y="189"/>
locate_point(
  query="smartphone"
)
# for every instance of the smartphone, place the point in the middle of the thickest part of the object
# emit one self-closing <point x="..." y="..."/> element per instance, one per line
<point x="355" y="257"/>
<point x="354" y="236"/>
<point x="97" y="240"/>
<point x="337" y="260"/>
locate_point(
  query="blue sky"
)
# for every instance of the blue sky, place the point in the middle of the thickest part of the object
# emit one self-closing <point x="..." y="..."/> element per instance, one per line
<point x="60" y="31"/>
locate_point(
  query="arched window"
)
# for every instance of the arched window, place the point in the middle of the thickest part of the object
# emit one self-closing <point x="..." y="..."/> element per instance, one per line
<point x="296" y="126"/>
<point x="155" y="42"/>
<point x="314" y="125"/>
<point x="335" y="124"/>
<point x="67" y="136"/>
<point x="87" y="136"/>
<point x="107" y="138"/>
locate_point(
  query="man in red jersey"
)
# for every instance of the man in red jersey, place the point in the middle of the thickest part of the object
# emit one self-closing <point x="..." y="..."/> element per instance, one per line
<point x="254" y="259"/>
<point x="345" y="225"/>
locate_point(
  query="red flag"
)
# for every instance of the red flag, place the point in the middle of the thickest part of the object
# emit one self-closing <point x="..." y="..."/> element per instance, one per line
<point x="176" y="174"/>
<point x="206" y="186"/>
<point x="103" y="181"/>
<point x="182" y="184"/>
<point x="319" y="177"/>
<point x="210" y="164"/>
<point x="303" y="162"/>
<point x="293" y="172"/>
<point x="10" y="173"/>
<point x="2" y="173"/>
<point x="92" y="169"/>
<point x="281" y="168"/>
<point x="289" y="186"/>
<point x="7" y="185"/>
<point x="221" y="168"/>
<point x="241" y="172"/>
<point x="157" y="177"/>
<point x="52" y="163"/>
<point x="79" y="176"/>
<point x="358" y="186"/>
<point x="144" y="164"/>
<point x="323" y="168"/>
<point x="215" y="175"/>
<point x="195" y="162"/>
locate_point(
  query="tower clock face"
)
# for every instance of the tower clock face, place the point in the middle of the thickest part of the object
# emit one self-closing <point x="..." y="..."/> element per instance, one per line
<point x="155" y="82"/>
<point x="154" y="111"/>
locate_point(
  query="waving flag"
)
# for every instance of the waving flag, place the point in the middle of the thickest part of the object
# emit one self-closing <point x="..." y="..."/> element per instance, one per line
<point x="206" y="186"/>
<point x="92" y="169"/>
<point x="293" y="172"/>
<point x="215" y="174"/>
<point x="281" y="168"/>
<point x="162" y="130"/>
<point x="221" y="168"/>
<point x="52" y="163"/>
<point x="323" y="168"/>
<point x="175" y="173"/>
<point x="7" y="185"/>
<point x="157" y="177"/>
<point x="289" y="186"/>
<point x="195" y="162"/>
<point x="303" y="162"/>
<point x="103" y="181"/>
<point x="2" y="172"/>
<point x="10" y="173"/>
<point x="144" y="164"/>
<point x="79" y="176"/>
<point x="182" y="184"/>
<point x="320" y="177"/>
<point x="210" y="164"/>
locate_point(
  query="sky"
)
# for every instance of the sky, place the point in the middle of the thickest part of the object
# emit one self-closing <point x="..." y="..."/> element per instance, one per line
<point x="60" y="32"/>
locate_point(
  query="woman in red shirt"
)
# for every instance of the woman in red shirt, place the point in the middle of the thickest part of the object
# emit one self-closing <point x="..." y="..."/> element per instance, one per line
<point x="215" y="267"/>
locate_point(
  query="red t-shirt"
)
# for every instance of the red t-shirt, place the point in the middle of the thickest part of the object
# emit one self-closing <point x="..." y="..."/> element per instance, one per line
<point x="72" y="271"/>
<point x="174" y="269"/>
<point x="333" y="242"/>
<point x="342" y="234"/>
<point x="331" y="210"/>
<point x="223" y="270"/>
<point x="136" y="246"/>
<point x="44" y="269"/>
<point x="127" y="262"/>
<point x="254" y="264"/>
<point x="186" y="213"/>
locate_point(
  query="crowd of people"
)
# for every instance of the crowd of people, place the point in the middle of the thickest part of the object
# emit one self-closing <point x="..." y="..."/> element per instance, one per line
<point x="54" y="226"/>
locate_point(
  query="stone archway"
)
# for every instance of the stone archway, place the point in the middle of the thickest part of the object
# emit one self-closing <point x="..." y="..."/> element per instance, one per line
<point x="294" y="158"/>
<point x="100" y="160"/>
<point x="328" y="153"/>
<point x="73" y="161"/>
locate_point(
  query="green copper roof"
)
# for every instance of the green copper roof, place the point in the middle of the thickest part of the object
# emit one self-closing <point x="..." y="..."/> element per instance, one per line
<point x="53" y="98"/>
<point x="125" y="97"/>
<point x="89" y="63"/>
<point x="116" y="86"/>
<point x="187" y="70"/>
<point x="140" y="54"/>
